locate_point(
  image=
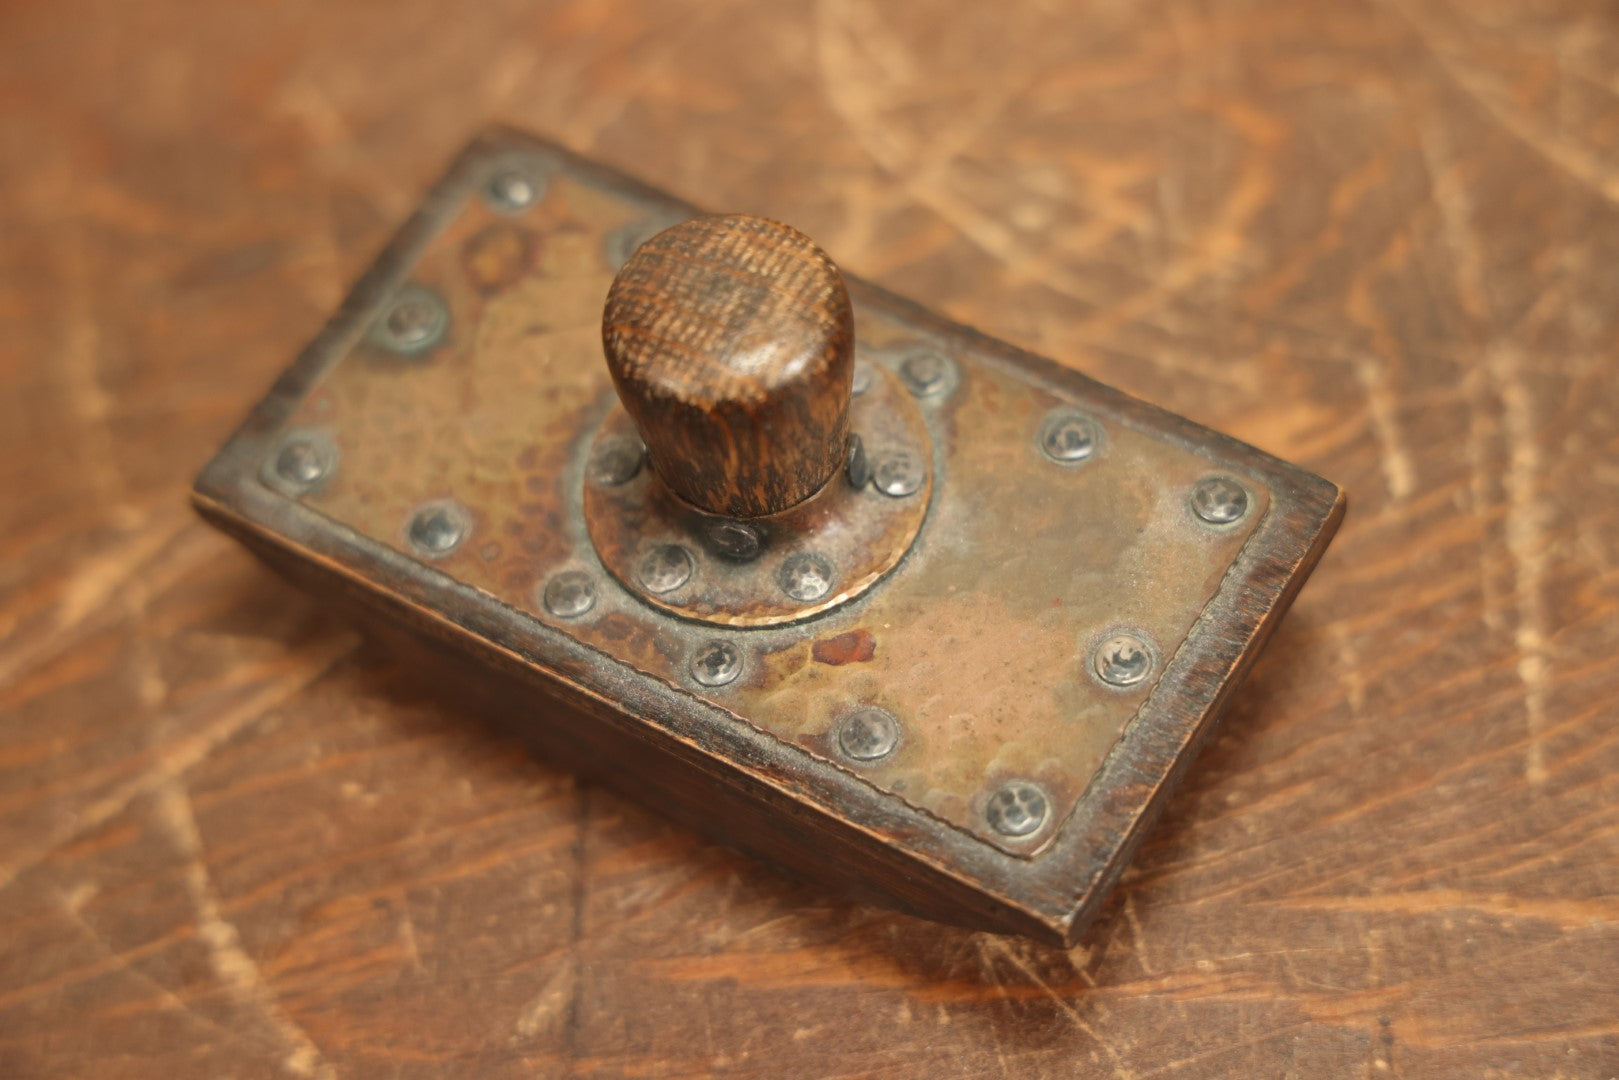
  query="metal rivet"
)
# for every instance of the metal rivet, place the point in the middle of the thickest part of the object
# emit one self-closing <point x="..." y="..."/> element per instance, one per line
<point x="857" y="470"/>
<point x="862" y="379"/>
<point x="300" y="462"/>
<point x="1068" y="437"/>
<point x="805" y="576"/>
<point x="1219" y="500"/>
<point x="665" y="568"/>
<point x="898" y="474"/>
<point x="734" y="540"/>
<point x="716" y="663"/>
<point x="925" y="372"/>
<point x="617" y="461"/>
<point x="512" y="190"/>
<point x="570" y="594"/>
<point x="1017" y="808"/>
<point x="414" y="322"/>
<point x="438" y="528"/>
<point x="868" y="734"/>
<point x="1123" y="660"/>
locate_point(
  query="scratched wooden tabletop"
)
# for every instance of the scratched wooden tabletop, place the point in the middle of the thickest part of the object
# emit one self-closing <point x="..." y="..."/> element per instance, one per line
<point x="1378" y="237"/>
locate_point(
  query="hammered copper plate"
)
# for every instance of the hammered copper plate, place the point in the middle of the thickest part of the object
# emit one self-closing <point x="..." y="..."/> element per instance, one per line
<point x="981" y="646"/>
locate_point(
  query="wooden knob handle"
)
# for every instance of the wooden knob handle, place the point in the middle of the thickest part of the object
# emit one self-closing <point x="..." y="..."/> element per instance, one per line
<point x="731" y="342"/>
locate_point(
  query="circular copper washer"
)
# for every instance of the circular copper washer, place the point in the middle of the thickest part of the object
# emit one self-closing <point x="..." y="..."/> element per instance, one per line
<point x="856" y="534"/>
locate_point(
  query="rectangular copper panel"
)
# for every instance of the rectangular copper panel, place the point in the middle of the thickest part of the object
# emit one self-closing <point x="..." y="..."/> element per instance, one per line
<point x="988" y="643"/>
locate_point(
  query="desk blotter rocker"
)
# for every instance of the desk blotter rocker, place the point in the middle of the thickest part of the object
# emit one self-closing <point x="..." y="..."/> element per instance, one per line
<point x="859" y="590"/>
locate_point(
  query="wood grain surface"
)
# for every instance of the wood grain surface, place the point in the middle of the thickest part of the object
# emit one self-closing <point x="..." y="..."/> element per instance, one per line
<point x="731" y="341"/>
<point x="1375" y="236"/>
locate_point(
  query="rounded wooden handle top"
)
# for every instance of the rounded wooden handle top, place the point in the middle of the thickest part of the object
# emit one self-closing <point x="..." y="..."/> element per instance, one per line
<point x="731" y="342"/>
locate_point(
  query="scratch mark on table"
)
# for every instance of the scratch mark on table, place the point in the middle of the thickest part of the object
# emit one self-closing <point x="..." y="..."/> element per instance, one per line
<point x="549" y="1005"/>
<point x="73" y="905"/>
<point x="184" y="753"/>
<point x="86" y="590"/>
<point x="1136" y="935"/>
<point x="1381" y="405"/>
<point x="1525" y="535"/>
<point x="1571" y="159"/>
<point x="407" y="935"/>
<point x="1526" y="543"/>
<point x="231" y="963"/>
<point x="1120" y="1070"/>
<point x="78" y="367"/>
<point x="1349" y="671"/>
<point x="987" y="967"/>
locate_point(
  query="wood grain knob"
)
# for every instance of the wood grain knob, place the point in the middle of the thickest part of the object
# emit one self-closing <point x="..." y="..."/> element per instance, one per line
<point x="731" y="342"/>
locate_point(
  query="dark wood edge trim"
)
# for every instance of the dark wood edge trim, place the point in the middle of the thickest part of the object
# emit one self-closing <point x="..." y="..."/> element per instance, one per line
<point x="1147" y="765"/>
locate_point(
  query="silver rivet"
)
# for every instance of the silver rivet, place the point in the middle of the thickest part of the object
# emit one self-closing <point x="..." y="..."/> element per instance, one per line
<point x="716" y="663"/>
<point x="300" y="462"/>
<point x="665" y="568"/>
<point x="734" y="540"/>
<point x="857" y="470"/>
<point x="805" y="576"/>
<point x="1123" y="660"/>
<point x="1219" y="500"/>
<point x="438" y="528"/>
<point x="414" y="322"/>
<point x="925" y="372"/>
<point x="862" y="379"/>
<point x="1068" y="437"/>
<point x="617" y="461"/>
<point x="1017" y="808"/>
<point x="511" y="191"/>
<point x="898" y="474"/>
<point x="570" y="594"/>
<point x="868" y="734"/>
